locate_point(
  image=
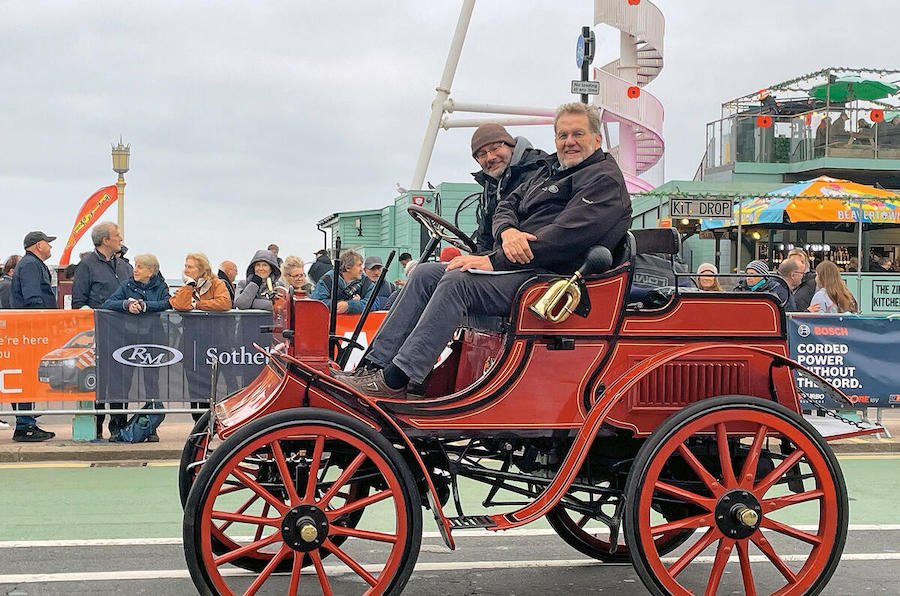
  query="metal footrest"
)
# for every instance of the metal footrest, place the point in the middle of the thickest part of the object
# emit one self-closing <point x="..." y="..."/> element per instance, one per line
<point x="472" y="521"/>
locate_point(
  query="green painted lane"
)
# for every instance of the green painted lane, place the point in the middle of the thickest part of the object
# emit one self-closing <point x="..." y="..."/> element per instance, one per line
<point x="66" y="502"/>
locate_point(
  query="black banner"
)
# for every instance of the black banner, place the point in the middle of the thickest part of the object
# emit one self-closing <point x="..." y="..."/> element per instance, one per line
<point x="168" y="356"/>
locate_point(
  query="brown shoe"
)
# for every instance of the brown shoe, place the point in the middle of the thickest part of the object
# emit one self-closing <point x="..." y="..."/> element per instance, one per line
<point x="359" y="371"/>
<point x="373" y="385"/>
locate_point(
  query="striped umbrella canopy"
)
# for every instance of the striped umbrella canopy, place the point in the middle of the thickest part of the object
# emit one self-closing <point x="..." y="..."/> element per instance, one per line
<point x="823" y="200"/>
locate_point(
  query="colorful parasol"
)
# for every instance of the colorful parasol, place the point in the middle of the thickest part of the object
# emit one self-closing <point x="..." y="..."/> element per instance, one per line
<point x="851" y="88"/>
<point x="821" y="200"/>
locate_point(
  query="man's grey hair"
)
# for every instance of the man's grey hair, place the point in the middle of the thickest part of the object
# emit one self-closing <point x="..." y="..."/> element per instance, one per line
<point x="576" y="107"/>
<point x="102" y="231"/>
<point x="787" y="267"/>
<point x="349" y="258"/>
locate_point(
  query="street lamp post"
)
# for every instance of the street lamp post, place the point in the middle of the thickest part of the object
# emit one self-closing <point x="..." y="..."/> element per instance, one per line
<point x="120" y="156"/>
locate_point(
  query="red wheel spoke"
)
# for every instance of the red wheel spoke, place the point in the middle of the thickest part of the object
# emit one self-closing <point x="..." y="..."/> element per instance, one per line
<point x="313" y="477"/>
<point x="259" y="529"/>
<point x="358" y="504"/>
<point x="708" y="538"/>
<point x="350" y="562"/>
<point x="776" y="503"/>
<point x="760" y="541"/>
<point x="240" y="510"/>
<point x="790" y="531"/>
<point x="705" y="502"/>
<point x="267" y="572"/>
<point x="746" y="571"/>
<point x="261" y="491"/>
<point x="364" y="534"/>
<point x="687" y="523"/>
<point x="296" y="570"/>
<point x="772" y="477"/>
<point x="247" y="549"/>
<point x="286" y="479"/>
<point x="718" y="568"/>
<point x="725" y="456"/>
<point x="348" y="472"/>
<point x="245" y="519"/>
<point x="230" y="488"/>
<point x="700" y="470"/>
<point x="748" y="473"/>
<point x="320" y="572"/>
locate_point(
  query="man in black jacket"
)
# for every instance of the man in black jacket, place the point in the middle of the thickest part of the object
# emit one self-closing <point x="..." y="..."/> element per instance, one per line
<point x="803" y="292"/>
<point x="548" y="224"/>
<point x="30" y="288"/>
<point x="320" y="266"/>
<point x="505" y="164"/>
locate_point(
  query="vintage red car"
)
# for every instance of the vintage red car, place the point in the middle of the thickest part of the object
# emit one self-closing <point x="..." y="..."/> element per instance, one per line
<point x="644" y="434"/>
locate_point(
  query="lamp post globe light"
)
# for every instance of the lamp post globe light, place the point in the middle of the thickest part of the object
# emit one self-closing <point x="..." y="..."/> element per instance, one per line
<point x="120" y="157"/>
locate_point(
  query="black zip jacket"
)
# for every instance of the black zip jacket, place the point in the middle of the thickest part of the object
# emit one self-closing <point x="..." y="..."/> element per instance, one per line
<point x="569" y="211"/>
<point x="97" y="278"/>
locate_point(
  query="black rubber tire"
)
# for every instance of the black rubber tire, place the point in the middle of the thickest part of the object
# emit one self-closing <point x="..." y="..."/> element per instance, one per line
<point x="192" y="530"/>
<point x="87" y="379"/>
<point x="665" y="432"/>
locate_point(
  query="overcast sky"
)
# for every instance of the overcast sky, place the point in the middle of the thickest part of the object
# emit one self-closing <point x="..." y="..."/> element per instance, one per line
<point x="250" y="121"/>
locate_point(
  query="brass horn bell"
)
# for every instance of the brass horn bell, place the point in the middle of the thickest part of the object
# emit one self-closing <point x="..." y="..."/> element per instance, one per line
<point x="559" y="301"/>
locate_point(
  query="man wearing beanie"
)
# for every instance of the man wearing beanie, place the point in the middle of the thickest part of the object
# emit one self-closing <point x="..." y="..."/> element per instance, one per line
<point x="757" y="282"/>
<point x="505" y="164"/>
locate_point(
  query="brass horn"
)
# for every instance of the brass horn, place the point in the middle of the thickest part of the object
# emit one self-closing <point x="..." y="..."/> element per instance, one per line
<point x="559" y="301"/>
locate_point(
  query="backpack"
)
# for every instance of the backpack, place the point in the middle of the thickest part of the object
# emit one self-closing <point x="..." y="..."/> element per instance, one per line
<point x="141" y="425"/>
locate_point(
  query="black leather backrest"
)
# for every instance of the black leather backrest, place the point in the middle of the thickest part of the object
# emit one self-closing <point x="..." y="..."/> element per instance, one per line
<point x="657" y="240"/>
<point x="625" y="251"/>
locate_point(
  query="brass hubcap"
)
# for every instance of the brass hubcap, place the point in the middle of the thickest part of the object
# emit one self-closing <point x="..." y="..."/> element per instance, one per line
<point x="308" y="532"/>
<point x="747" y="517"/>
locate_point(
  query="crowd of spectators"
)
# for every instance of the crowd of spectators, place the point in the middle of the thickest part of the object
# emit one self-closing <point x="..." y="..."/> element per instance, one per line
<point x="105" y="279"/>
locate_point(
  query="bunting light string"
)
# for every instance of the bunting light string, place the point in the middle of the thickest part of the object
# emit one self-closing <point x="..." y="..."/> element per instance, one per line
<point x="790" y="85"/>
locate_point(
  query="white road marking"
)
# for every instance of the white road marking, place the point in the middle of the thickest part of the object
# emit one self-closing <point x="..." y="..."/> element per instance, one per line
<point x="331" y="570"/>
<point x="520" y="532"/>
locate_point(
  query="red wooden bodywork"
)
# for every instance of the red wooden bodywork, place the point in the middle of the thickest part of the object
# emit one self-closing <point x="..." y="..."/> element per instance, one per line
<point x="618" y="368"/>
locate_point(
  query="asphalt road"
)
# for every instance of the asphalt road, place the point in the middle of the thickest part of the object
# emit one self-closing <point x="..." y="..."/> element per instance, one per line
<point x="89" y="530"/>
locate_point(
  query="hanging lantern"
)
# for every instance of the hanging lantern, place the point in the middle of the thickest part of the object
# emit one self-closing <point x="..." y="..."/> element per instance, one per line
<point x="634" y="2"/>
<point x="876" y="115"/>
<point x="809" y="118"/>
<point x="764" y="121"/>
<point x="634" y="92"/>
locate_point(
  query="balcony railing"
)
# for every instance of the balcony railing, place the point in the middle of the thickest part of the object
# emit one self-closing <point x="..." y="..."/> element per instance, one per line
<point x="847" y="133"/>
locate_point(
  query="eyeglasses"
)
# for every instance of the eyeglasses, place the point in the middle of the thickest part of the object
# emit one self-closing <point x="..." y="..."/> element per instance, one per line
<point x="577" y="135"/>
<point x="294" y="276"/>
<point x="482" y="153"/>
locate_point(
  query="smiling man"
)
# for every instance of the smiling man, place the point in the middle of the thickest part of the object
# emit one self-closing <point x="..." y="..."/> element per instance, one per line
<point x="506" y="162"/>
<point x="548" y="224"/>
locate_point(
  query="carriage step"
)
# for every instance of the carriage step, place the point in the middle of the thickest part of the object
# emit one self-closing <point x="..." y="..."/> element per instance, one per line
<point x="472" y="521"/>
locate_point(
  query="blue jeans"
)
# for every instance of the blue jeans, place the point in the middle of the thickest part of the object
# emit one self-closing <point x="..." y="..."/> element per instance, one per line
<point x="24" y="422"/>
<point x="431" y="306"/>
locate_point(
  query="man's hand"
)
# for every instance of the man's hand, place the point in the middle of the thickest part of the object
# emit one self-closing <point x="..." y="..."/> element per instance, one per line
<point x="134" y="307"/>
<point x="342" y="307"/>
<point x="466" y="262"/>
<point x="515" y="245"/>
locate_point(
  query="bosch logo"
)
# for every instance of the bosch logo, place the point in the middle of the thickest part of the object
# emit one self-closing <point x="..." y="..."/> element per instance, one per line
<point x="803" y="331"/>
<point x="830" y="331"/>
<point x="147" y="356"/>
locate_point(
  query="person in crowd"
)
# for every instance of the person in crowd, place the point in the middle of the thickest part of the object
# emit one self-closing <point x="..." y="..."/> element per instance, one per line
<point x="505" y="164"/>
<point x="354" y="288"/>
<point x="320" y="266"/>
<point x="821" y="135"/>
<point x="273" y="248"/>
<point x="6" y="280"/>
<point x="98" y="275"/>
<point x="757" y="280"/>
<point x="30" y="288"/>
<point x="145" y="292"/>
<point x="853" y="265"/>
<point x="101" y="272"/>
<point x="546" y="225"/>
<point x="803" y="292"/>
<point x="706" y="279"/>
<point x="404" y="260"/>
<point x="202" y="290"/>
<point x="839" y="135"/>
<point x="791" y="271"/>
<point x="293" y="273"/>
<point x="833" y="295"/>
<point x="228" y="274"/>
<point x="372" y="267"/>
<point x="263" y="276"/>
<point x="887" y="264"/>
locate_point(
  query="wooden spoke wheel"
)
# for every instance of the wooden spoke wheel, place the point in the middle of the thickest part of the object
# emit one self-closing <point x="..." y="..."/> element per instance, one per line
<point x="590" y="534"/>
<point x="733" y="467"/>
<point x="281" y="491"/>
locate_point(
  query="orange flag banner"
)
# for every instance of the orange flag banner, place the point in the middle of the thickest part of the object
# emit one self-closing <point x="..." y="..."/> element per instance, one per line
<point x="92" y="209"/>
